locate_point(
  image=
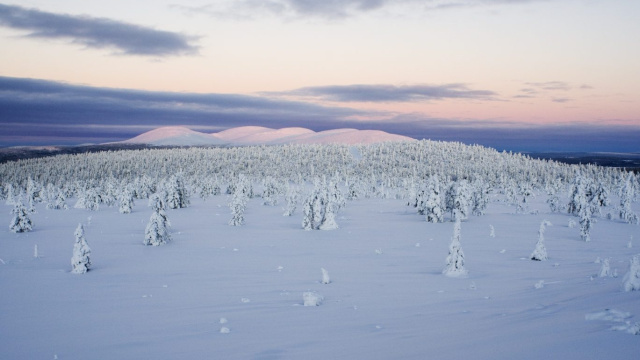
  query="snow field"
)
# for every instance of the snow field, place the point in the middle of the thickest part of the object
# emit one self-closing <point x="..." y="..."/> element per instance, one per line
<point x="167" y="302"/>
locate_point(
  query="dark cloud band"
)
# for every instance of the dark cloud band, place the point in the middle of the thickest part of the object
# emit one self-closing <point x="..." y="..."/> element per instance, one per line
<point x="99" y="33"/>
<point x="391" y="93"/>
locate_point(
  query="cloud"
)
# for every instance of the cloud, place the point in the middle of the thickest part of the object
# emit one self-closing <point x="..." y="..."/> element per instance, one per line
<point x="32" y="105"/>
<point x="98" y="33"/>
<point x="551" y="85"/>
<point x="326" y="9"/>
<point x="41" y="112"/>
<point x="390" y="93"/>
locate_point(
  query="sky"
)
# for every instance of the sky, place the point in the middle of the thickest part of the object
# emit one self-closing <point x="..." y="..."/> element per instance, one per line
<point x="521" y="75"/>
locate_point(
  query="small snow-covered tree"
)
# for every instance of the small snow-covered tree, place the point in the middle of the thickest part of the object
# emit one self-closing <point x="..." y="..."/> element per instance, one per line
<point x="540" y="252"/>
<point x="81" y="259"/>
<point x="631" y="280"/>
<point x="269" y="191"/>
<point x="126" y="201"/>
<point x="291" y="200"/>
<point x="59" y="203"/>
<point x="325" y="276"/>
<point x="89" y="199"/>
<point x="525" y="190"/>
<point x="157" y="231"/>
<point x="20" y="221"/>
<point x="605" y="269"/>
<point x="455" y="259"/>
<point x="553" y="189"/>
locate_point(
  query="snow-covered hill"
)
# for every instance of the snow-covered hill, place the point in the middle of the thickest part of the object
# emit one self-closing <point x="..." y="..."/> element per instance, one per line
<point x="174" y="135"/>
<point x="258" y="135"/>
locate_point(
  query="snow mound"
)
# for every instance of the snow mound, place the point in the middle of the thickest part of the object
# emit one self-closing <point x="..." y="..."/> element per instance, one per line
<point x="258" y="135"/>
<point x="312" y="298"/>
<point x="175" y="136"/>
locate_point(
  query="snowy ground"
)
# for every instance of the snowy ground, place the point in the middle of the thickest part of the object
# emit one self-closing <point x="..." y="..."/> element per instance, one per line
<point x="222" y="292"/>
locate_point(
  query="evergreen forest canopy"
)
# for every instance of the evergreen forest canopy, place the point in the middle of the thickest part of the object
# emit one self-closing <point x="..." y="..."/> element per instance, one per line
<point x="453" y="174"/>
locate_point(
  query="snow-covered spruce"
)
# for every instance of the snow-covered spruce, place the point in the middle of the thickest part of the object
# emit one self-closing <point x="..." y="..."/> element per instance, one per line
<point x="126" y="201"/>
<point x="540" y="252"/>
<point x="20" y="222"/>
<point x="157" y="231"/>
<point x="455" y="259"/>
<point x="605" y="269"/>
<point x="585" y="222"/>
<point x="631" y="280"/>
<point x="239" y="201"/>
<point x="291" y="199"/>
<point x="320" y="207"/>
<point x="325" y="276"/>
<point x="627" y="194"/>
<point x="81" y="259"/>
<point x="176" y="192"/>
<point x="433" y="209"/>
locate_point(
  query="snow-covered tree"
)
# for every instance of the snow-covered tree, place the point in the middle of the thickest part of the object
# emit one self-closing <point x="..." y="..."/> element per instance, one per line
<point x="270" y="191"/>
<point x="325" y="276"/>
<point x="457" y="199"/>
<point x="81" y="259"/>
<point x="631" y="280"/>
<point x="455" y="259"/>
<point x="176" y="192"/>
<point x="479" y="197"/>
<point x="627" y="194"/>
<point x="20" y="221"/>
<point x="157" y="231"/>
<point x="605" y="269"/>
<point x="239" y="201"/>
<point x="321" y="206"/>
<point x="553" y="189"/>
<point x="291" y="199"/>
<point x="59" y="203"/>
<point x="586" y="222"/>
<point x="525" y="190"/>
<point x="433" y="209"/>
<point x="540" y="252"/>
<point x="89" y="199"/>
<point x="126" y="201"/>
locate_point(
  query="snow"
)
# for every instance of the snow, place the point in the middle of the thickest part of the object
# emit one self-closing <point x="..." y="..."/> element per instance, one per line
<point x="198" y="298"/>
<point x="175" y="136"/>
<point x="258" y="135"/>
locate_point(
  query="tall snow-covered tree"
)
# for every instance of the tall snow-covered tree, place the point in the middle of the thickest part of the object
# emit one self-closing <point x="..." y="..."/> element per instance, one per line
<point x="455" y="259"/>
<point x="627" y="194"/>
<point x="525" y="190"/>
<point x="81" y="259"/>
<point x="586" y="222"/>
<point x="239" y="201"/>
<point x="540" y="252"/>
<point x="457" y="199"/>
<point x="479" y="197"/>
<point x="157" y="231"/>
<point x="433" y="209"/>
<point x="20" y="222"/>
<point x="631" y="280"/>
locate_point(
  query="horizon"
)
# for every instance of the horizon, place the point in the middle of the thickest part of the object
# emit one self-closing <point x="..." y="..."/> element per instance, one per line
<point x="519" y="76"/>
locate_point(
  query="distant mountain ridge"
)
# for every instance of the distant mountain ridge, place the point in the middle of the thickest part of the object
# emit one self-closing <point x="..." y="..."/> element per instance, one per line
<point x="258" y="135"/>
